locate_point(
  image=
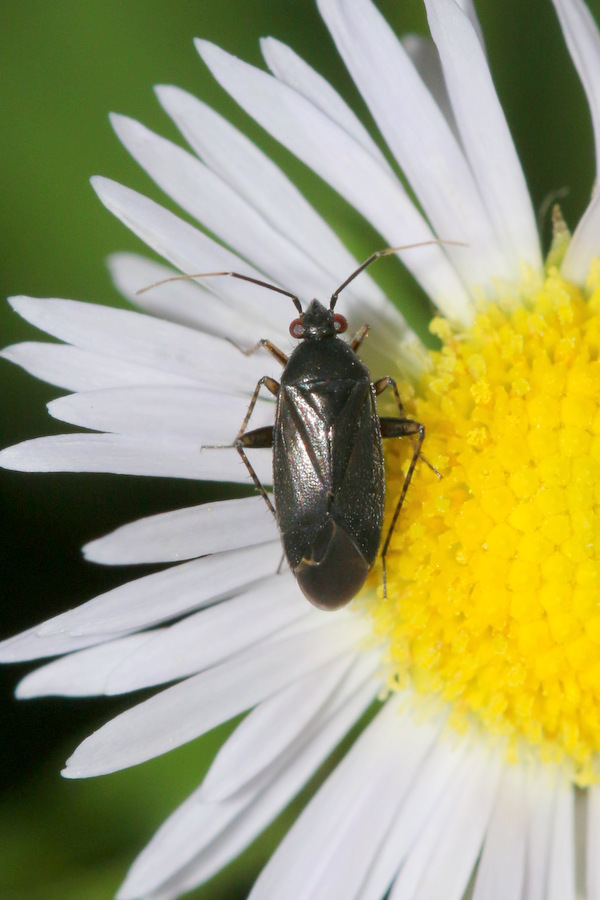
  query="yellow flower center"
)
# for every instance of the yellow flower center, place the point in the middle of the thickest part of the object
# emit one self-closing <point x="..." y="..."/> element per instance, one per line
<point x="493" y="571"/>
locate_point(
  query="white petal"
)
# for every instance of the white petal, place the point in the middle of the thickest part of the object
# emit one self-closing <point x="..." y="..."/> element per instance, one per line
<point x="561" y="861"/>
<point x="161" y="596"/>
<point x="280" y="790"/>
<point x="585" y="244"/>
<point x="484" y="132"/>
<point x="185" y="711"/>
<point x="186" y="533"/>
<point x="344" y="164"/>
<point x="83" y="370"/>
<point x="269" y="730"/>
<point x="142" y="340"/>
<point x="192" y="251"/>
<point x="583" y="40"/>
<point x="420" y="138"/>
<point x="30" y="644"/>
<point x="191" y="831"/>
<point x="501" y="869"/>
<point x="186" y="413"/>
<point x="444" y="855"/>
<point x="223" y="211"/>
<point x="184" y="301"/>
<point x="256" y="177"/>
<point x="369" y="780"/>
<point x="426" y="60"/>
<point x="445" y="763"/>
<point x="80" y="674"/>
<point x="468" y="7"/>
<point x="593" y="837"/>
<point x="165" y="861"/>
<point x="165" y="654"/>
<point x="541" y="786"/>
<point x="133" y="455"/>
<point x="212" y="635"/>
<point x="288" y="67"/>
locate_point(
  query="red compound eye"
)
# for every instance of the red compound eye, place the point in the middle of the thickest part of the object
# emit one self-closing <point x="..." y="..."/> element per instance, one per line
<point x="340" y="323"/>
<point x="297" y="328"/>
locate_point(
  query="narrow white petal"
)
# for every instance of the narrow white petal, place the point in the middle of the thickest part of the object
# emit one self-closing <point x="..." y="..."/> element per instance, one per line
<point x="541" y="786"/>
<point x="561" y="861"/>
<point x="133" y="455"/>
<point x="185" y="711"/>
<point x="222" y="210"/>
<point x="445" y="763"/>
<point x="420" y="138"/>
<point x="583" y="40"/>
<point x="256" y="177"/>
<point x="352" y="848"/>
<point x="186" y="533"/>
<point x="585" y="244"/>
<point x="288" y="67"/>
<point x="501" y="869"/>
<point x="191" y="830"/>
<point x="177" y="841"/>
<point x="281" y="789"/>
<point x="212" y="635"/>
<point x="484" y="132"/>
<point x="468" y="7"/>
<point x="345" y="165"/>
<point x="426" y="60"/>
<point x="192" y="251"/>
<point x="166" y="654"/>
<point x="444" y="855"/>
<point x="30" y="644"/>
<point x="80" y="674"/>
<point x="314" y="847"/>
<point x="84" y="370"/>
<point x="163" y="595"/>
<point x="592" y="844"/>
<point x="269" y="730"/>
<point x="191" y="414"/>
<point x="185" y="302"/>
<point x="142" y="340"/>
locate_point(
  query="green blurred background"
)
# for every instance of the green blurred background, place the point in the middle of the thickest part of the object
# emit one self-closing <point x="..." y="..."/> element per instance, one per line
<point x="65" y="65"/>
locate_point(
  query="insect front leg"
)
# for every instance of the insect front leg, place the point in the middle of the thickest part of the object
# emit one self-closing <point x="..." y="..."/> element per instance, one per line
<point x="359" y="337"/>
<point x="398" y="427"/>
<point x="259" y="437"/>
<point x="275" y="352"/>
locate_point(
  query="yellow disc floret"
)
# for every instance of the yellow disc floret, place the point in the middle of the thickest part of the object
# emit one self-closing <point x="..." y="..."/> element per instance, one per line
<point x="493" y="571"/>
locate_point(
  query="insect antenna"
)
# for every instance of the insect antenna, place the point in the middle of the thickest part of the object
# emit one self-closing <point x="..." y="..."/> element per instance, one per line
<point x="387" y="252"/>
<point x="265" y="284"/>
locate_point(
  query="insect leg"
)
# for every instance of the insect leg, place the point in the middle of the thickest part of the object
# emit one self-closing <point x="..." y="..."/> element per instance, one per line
<point x="260" y="437"/>
<point x="380" y="386"/>
<point x="278" y="354"/>
<point x="359" y="337"/>
<point x="385" y="382"/>
<point x="272" y="386"/>
<point x="398" y="427"/>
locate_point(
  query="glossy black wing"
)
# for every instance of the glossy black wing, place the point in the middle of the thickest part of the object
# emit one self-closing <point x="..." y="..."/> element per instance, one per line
<point x="359" y="478"/>
<point x="327" y="464"/>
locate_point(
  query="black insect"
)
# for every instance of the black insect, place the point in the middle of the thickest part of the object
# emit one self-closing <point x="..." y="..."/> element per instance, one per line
<point x="328" y="470"/>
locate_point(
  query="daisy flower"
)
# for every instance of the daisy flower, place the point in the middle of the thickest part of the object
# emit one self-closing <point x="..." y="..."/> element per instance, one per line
<point x="484" y="655"/>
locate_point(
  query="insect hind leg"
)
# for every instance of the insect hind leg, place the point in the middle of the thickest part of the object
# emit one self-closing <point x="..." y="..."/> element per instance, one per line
<point x="391" y="427"/>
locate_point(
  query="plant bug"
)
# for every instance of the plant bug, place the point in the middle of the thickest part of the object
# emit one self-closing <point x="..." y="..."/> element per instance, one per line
<point x="328" y="469"/>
